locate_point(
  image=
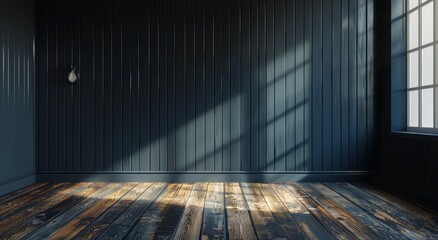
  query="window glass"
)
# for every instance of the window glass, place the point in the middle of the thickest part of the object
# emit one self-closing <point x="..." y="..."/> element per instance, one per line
<point x="413" y="69"/>
<point x="427" y="66"/>
<point x="413" y="109"/>
<point x="427" y="108"/>
<point x="413" y="30"/>
<point x="427" y="23"/>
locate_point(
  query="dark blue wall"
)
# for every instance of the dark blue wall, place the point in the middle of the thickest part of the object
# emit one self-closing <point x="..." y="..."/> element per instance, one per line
<point x="408" y="161"/>
<point x="206" y="85"/>
<point x="17" y="153"/>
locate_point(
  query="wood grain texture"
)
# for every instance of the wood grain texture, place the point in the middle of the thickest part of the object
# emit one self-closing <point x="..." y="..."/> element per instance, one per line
<point x="169" y="223"/>
<point x="191" y="221"/>
<point x="34" y="222"/>
<point x="308" y="223"/>
<point x="76" y="225"/>
<point x="214" y="213"/>
<point x="38" y="195"/>
<point x="381" y="228"/>
<point x="238" y="219"/>
<point x="264" y="222"/>
<point x="359" y="229"/>
<point x="412" y="221"/>
<point x="53" y="225"/>
<point x="158" y="210"/>
<point x="286" y="221"/>
<point x="100" y="224"/>
<point x="51" y="199"/>
<point x="24" y="191"/>
<point x="422" y="211"/>
<point x="327" y="220"/>
<point x="376" y="212"/>
<point x="121" y="226"/>
<point x="147" y="224"/>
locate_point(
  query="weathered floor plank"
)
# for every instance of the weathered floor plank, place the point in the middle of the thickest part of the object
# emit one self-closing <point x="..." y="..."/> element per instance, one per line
<point x="239" y="222"/>
<point x="419" y="218"/>
<point x="211" y="211"/>
<point x="412" y="207"/>
<point x="345" y="218"/>
<point x="286" y="221"/>
<point x="58" y="222"/>
<point x="28" y="200"/>
<point x="29" y="190"/>
<point x="375" y="211"/>
<point x="34" y="222"/>
<point x="168" y="224"/>
<point x="51" y="200"/>
<point x="384" y="231"/>
<point x="121" y="226"/>
<point x="214" y="214"/>
<point x="100" y="224"/>
<point x="191" y="221"/>
<point x="147" y="225"/>
<point x="329" y="222"/>
<point x="305" y="219"/>
<point x="264" y="222"/>
<point x="76" y="225"/>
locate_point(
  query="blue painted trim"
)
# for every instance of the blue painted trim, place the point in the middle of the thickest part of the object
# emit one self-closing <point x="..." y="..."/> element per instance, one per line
<point x="17" y="183"/>
<point x="205" y="176"/>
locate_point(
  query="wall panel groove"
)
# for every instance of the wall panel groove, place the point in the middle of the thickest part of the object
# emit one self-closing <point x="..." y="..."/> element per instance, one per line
<point x="17" y="95"/>
<point x="205" y="85"/>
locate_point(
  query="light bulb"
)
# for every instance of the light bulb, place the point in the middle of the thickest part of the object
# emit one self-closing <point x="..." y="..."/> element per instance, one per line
<point x="72" y="77"/>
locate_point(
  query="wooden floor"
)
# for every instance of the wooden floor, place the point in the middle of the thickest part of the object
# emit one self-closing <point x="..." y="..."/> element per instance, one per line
<point x="212" y="211"/>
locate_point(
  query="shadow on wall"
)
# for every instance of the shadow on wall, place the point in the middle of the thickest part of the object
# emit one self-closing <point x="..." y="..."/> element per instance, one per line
<point x="196" y="86"/>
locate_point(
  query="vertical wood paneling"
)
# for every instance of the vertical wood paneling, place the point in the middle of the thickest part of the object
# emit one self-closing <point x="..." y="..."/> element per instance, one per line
<point x="171" y="87"/>
<point x="209" y="88"/>
<point x="17" y="115"/>
<point x="327" y="83"/>
<point x="245" y="123"/>
<point x="199" y="85"/>
<point x="336" y="83"/>
<point x="235" y="84"/>
<point x="270" y="86"/>
<point x="317" y="119"/>
<point x="180" y="85"/>
<point x="226" y="100"/>
<point x="262" y="143"/>
<point x="290" y="85"/>
<point x="353" y="84"/>
<point x="196" y="85"/>
<point x="345" y="104"/>
<point x="307" y="85"/>
<point x="162" y="83"/>
<point x="190" y="88"/>
<point x="279" y="85"/>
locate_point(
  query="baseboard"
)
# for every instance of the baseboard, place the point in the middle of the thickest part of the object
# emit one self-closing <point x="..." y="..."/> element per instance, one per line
<point x="356" y="176"/>
<point x="410" y="191"/>
<point x="17" y="183"/>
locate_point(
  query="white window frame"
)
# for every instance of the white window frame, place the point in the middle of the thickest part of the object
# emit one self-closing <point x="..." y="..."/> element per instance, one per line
<point x="418" y="49"/>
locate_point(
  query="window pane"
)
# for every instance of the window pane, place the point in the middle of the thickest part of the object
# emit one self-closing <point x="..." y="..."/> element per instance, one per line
<point x="427" y="108"/>
<point x="427" y="24"/>
<point x="427" y="66"/>
<point x="412" y="4"/>
<point x="413" y="29"/>
<point x="413" y="69"/>
<point x="413" y="109"/>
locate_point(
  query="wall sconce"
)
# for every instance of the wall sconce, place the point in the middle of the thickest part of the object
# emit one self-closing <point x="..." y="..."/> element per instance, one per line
<point x="72" y="77"/>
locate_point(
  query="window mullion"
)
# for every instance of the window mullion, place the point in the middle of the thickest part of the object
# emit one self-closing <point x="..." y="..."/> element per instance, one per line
<point x="420" y="66"/>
